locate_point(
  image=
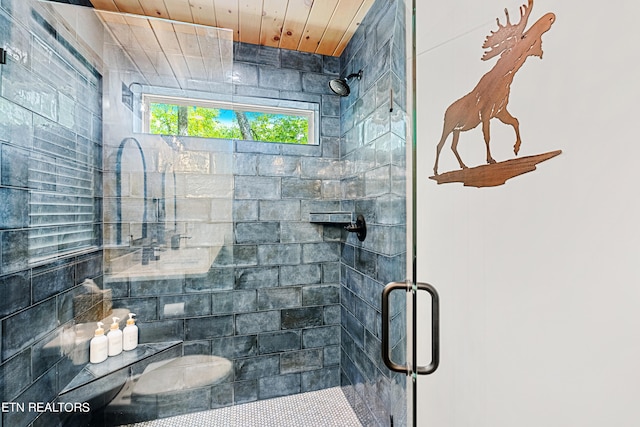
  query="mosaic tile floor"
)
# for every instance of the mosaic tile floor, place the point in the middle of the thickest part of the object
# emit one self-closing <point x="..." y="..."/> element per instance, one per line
<point x="322" y="408"/>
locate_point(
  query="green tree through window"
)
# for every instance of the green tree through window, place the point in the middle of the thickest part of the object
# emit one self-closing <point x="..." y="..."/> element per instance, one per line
<point x="220" y="123"/>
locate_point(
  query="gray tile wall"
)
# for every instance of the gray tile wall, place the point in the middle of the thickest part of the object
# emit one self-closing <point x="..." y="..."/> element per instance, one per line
<point x="50" y="115"/>
<point x="373" y="184"/>
<point x="292" y="305"/>
<point x="271" y="300"/>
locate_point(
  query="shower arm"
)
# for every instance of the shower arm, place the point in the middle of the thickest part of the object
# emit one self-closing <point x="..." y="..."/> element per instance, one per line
<point x="358" y="75"/>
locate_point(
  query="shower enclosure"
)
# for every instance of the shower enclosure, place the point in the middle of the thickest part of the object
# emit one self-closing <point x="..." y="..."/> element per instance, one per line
<point x="226" y="257"/>
<point x="210" y="244"/>
<point x="232" y="252"/>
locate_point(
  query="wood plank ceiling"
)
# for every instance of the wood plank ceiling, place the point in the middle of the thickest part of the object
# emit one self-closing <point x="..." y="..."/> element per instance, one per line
<point x="321" y="26"/>
<point x="172" y="54"/>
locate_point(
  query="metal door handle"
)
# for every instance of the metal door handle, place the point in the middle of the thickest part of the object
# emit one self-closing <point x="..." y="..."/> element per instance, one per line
<point x="435" y="328"/>
<point x="386" y="357"/>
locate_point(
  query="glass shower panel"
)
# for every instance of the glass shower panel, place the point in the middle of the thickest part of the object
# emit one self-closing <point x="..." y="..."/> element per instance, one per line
<point x="167" y="212"/>
<point x="209" y="241"/>
<point x="168" y="197"/>
<point x="167" y="216"/>
<point x="72" y="92"/>
<point x="377" y="143"/>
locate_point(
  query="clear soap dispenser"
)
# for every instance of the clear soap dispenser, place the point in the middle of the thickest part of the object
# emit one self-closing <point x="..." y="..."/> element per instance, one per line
<point x="115" y="338"/>
<point x="98" y="346"/>
<point x="130" y="334"/>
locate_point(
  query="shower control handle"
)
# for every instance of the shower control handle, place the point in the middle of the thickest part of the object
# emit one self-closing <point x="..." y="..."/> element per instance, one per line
<point x="359" y="227"/>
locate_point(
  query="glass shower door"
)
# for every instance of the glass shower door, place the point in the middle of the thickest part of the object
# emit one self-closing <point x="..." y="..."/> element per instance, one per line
<point x="536" y="272"/>
<point x="415" y="303"/>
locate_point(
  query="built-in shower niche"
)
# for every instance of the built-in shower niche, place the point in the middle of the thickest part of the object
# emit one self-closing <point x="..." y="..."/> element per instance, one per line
<point x="170" y="210"/>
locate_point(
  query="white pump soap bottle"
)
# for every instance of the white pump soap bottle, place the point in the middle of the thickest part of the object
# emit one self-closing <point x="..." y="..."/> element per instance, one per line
<point x="130" y="334"/>
<point x="98" y="346"/>
<point x="115" y="338"/>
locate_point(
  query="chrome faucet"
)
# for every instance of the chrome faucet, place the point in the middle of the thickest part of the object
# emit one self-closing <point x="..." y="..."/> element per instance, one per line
<point x="175" y="240"/>
<point x="119" y="188"/>
<point x="150" y="250"/>
<point x="147" y="254"/>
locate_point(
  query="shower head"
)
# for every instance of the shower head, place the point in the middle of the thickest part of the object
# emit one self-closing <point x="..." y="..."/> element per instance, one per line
<point x="341" y="87"/>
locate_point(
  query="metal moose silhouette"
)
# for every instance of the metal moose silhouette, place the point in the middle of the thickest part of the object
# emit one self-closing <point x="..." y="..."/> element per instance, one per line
<point x="490" y="97"/>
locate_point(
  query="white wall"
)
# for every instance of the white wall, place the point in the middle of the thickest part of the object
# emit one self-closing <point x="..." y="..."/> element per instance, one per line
<point x="538" y="278"/>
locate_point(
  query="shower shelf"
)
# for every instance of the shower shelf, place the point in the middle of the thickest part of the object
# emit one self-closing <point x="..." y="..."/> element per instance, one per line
<point x="93" y="372"/>
<point x="337" y="218"/>
<point x="344" y="219"/>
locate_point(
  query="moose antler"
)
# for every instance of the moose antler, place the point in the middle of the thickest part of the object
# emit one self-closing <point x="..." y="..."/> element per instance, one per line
<point x="507" y="35"/>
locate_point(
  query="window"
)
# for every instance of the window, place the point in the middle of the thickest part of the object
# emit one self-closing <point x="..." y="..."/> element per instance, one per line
<point x="213" y="119"/>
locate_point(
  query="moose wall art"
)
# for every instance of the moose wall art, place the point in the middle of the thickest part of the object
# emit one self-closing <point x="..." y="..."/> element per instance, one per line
<point x="490" y="99"/>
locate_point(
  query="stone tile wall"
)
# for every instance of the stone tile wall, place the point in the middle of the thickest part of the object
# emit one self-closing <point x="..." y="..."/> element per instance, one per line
<point x="373" y="184"/>
<point x="50" y="117"/>
<point x="294" y="306"/>
<point x="271" y="299"/>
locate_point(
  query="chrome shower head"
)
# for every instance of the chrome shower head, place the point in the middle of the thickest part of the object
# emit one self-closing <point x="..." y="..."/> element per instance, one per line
<point x="341" y="87"/>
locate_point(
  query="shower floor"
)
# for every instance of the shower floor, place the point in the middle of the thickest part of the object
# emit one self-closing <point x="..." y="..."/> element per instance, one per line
<point x="322" y="408"/>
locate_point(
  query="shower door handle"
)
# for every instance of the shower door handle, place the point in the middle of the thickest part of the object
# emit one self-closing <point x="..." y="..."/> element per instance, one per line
<point x="386" y="357"/>
<point x="435" y="328"/>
